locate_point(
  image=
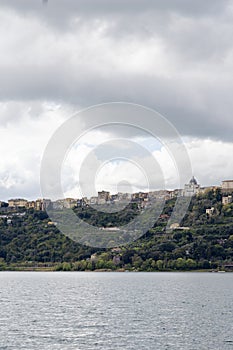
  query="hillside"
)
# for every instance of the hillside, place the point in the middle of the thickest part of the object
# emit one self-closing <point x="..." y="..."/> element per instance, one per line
<point x="29" y="240"/>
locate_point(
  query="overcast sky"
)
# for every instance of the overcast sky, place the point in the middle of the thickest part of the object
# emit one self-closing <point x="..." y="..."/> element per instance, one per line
<point x="56" y="58"/>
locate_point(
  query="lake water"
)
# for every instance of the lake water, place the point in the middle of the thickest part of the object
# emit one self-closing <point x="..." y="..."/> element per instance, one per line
<point x="190" y="311"/>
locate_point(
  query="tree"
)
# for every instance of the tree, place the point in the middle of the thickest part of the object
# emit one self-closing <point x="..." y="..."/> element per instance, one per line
<point x="180" y="264"/>
<point x="2" y="264"/>
<point x="190" y="264"/>
<point x="159" y="265"/>
<point x="137" y="261"/>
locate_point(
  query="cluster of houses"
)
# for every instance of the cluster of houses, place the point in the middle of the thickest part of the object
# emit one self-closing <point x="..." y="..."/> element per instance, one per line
<point x="193" y="188"/>
<point x="141" y="198"/>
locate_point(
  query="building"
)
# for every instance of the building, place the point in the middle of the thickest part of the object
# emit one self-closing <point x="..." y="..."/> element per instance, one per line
<point x="39" y="204"/>
<point x="175" y="225"/>
<point x="93" y="200"/>
<point x="31" y="205"/>
<point x="177" y="192"/>
<point x="83" y="202"/>
<point x="161" y="194"/>
<point x="17" y="203"/>
<point x="103" y="197"/>
<point x="122" y="197"/>
<point x="227" y="186"/>
<point x="69" y="203"/>
<point x="42" y="204"/>
<point x="191" y="188"/>
<point x="210" y="211"/>
<point x="227" y="200"/>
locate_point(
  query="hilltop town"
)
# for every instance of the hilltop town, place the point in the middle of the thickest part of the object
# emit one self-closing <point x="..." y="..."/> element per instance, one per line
<point x="104" y="197"/>
<point x="203" y="240"/>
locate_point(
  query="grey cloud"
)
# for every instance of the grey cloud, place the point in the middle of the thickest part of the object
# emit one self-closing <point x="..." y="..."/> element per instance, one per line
<point x="127" y="17"/>
<point x="62" y="8"/>
<point x="209" y="116"/>
<point x="195" y="36"/>
<point x="140" y="17"/>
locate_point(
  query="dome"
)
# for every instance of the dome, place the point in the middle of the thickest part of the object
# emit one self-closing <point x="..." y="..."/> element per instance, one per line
<point x="193" y="181"/>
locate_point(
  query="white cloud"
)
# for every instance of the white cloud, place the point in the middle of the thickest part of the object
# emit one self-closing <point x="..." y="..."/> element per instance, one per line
<point x="211" y="160"/>
<point x="23" y="140"/>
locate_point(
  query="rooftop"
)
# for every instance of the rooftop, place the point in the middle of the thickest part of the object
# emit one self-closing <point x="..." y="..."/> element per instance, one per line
<point x="193" y="181"/>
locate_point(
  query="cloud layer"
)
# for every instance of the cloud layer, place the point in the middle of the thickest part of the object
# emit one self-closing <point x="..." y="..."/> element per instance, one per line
<point x="174" y="56"/>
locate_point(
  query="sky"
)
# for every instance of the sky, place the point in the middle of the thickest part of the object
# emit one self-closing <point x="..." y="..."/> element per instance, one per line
<point x="62" y="56"/>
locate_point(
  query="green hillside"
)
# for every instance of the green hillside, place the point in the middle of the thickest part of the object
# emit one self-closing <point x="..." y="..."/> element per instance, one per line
<point x="29" y="240"/>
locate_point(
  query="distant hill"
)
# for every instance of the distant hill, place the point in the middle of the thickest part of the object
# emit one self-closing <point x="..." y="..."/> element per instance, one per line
<point x="205" y="240"/>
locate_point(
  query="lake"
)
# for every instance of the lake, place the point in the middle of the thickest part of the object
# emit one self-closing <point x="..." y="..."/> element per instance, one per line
<point x="87" y="310"/>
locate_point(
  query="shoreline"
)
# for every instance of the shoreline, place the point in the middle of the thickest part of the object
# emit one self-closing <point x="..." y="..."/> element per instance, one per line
<point x="49" y="269"/>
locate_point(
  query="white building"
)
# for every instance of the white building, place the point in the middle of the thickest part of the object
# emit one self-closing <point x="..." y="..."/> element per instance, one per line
<point x="226" y="200"/>
<point x="191" y="188"/>
<point x="210" y="211"/>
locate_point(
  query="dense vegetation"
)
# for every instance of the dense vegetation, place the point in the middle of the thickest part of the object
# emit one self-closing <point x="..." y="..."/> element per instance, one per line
<point x="29" y="240"/>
